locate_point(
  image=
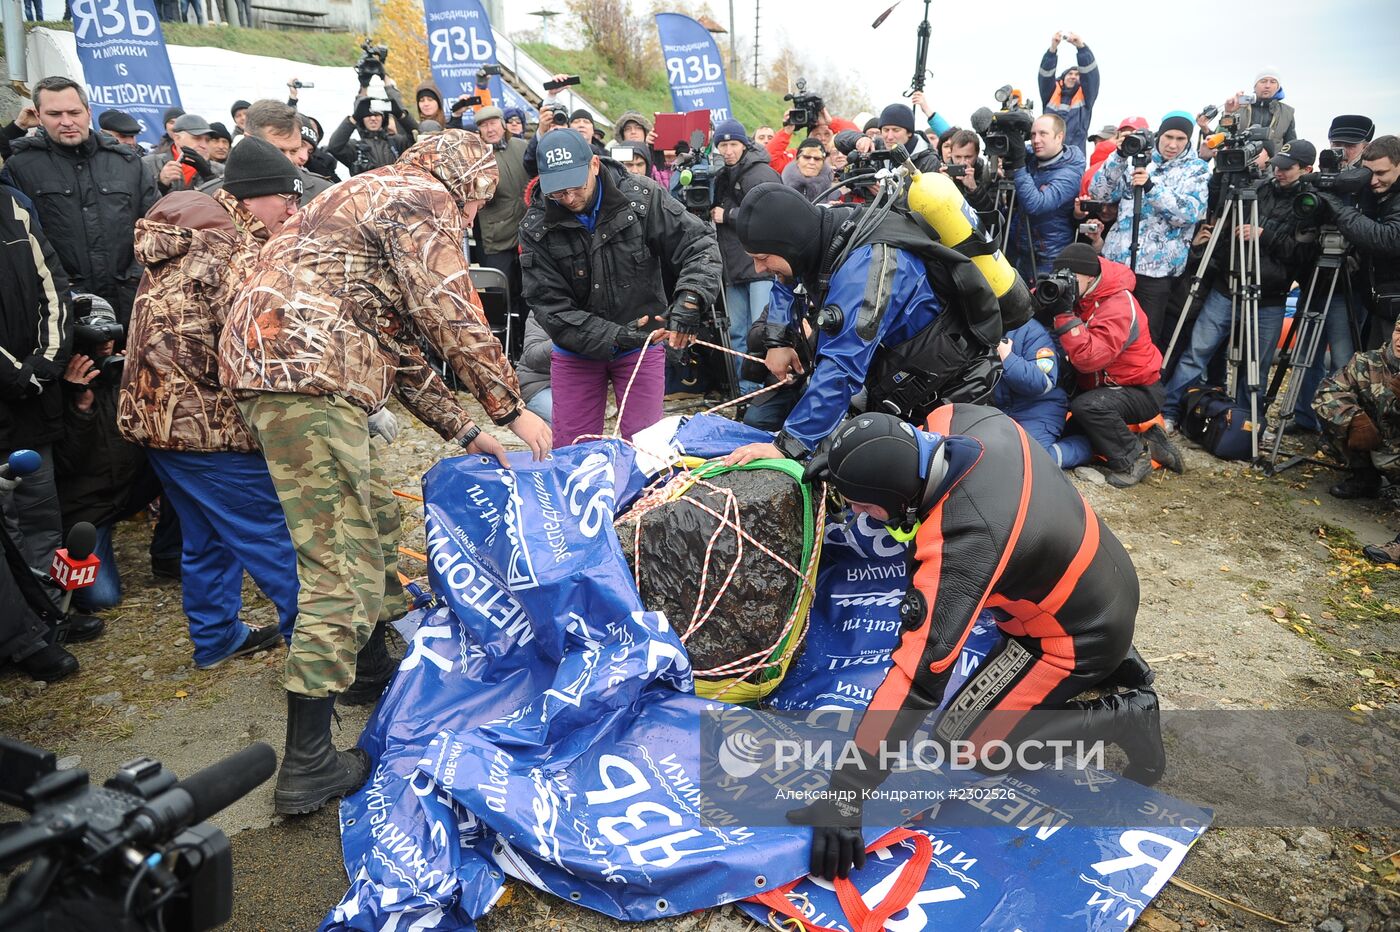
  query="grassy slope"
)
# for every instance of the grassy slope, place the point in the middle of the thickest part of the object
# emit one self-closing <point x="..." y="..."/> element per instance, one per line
<point x="315" y="48"/>
<point x="600" y="83"/>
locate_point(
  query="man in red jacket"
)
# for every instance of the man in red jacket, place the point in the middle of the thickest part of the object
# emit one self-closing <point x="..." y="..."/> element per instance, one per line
<point x="1105" y="336"/>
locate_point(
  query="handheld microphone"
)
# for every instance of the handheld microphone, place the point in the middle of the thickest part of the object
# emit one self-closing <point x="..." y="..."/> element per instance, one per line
<point x="74" y="566"/>
<point x="22" y="463"/>
<point x="203" y="794"/>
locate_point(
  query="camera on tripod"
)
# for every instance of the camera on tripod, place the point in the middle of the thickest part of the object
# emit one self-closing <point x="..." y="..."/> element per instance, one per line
<point x="1236" y="149"/>
<point x="1331" y="178"/>
<point x="806" y="110"/>
<point x="136" y="852"/>
<point x="97" y="324"/>
<point x="371" y="63"/>
<point x="1056" y="293"/>
<point x="697" y="174"/>
<point x="1004" y="129"/>
<point x="1137" y="146"/>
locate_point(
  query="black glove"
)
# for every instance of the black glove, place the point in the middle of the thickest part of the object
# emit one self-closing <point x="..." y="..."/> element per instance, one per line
<point x="196" y="161"/>
<point x="632" y="336"/>
<point x="837" y="845"/>
<point x="1329" y="205"/>
<point x="685" y="313"/>
<point x="1016" y="158"/>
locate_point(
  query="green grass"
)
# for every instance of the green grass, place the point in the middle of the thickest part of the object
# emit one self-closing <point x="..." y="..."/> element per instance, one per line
<point x="615" y="94"/>
<point x="333" y="49"/>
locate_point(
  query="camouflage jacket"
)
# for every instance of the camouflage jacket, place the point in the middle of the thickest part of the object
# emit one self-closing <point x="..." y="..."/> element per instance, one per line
<point x="197" y="251"/>
<point x="339" y="299"/>
<point x="1367" y="383"/>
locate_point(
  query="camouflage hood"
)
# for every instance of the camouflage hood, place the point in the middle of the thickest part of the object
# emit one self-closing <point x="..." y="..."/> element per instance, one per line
<point x="168" y="230"/>
<point x="461" y="160"/>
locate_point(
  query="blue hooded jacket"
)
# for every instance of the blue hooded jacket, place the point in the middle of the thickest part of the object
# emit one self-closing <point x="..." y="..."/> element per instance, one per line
<point x="1045" y="191"/>
<point x="1171" y="208"/>
<point x="1077" y="107"/>
<point x="1029" y="390"/>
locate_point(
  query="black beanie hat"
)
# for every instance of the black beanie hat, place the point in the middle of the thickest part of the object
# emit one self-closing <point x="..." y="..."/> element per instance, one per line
<point x="898" y="115"/>
<point x="812" y="142"/>
<point x="256" y="167"/>
<point x="581" y="114"/>
<point x="872" y="123"/>
<point x="776" y="220"/>
<point x="237" y="106"/>
<point x="1177" y="120"/>
<point x="171" y="114"/>
<point x="1078" y="257"/>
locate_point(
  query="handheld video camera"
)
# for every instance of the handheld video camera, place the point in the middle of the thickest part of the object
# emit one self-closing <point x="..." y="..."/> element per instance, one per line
<point x="1003" y="130"/>
<point x="96" y="324"/>
<point x="303" y="84"/>
<point x="371" y="63"/>
<point x="806" y="110"/>
<point x="1055" y="294"/>
<point x="136" y="852"/>
<point x="697" y="174"/>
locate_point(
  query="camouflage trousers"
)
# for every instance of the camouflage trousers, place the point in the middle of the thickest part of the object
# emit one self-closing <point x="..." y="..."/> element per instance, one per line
<point x="344" y="524"/>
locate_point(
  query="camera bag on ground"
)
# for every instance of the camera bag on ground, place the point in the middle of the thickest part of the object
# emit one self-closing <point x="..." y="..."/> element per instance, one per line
<point x="1211" y="419"/>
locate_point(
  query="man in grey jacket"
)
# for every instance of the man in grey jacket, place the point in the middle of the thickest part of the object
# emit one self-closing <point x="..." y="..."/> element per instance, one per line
<point x="498" y="222"/>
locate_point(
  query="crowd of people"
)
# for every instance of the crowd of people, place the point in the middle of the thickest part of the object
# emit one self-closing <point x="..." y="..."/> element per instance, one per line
<point x="208" y="330"/>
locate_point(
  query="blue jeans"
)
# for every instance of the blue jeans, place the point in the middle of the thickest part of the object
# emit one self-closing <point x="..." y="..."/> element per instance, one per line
<point x="1212" y="331"/>
<point x="1340" y="346"/>
<point x="542" y="403"/>
<point x="106" y="590"/>
<point x="744" y="303"/>
<point x="198" y="11"/>
<point x="232" y="521"/>
<point x="33" y="9"/>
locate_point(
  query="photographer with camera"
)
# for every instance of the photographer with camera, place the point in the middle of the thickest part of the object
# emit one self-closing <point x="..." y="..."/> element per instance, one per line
<point x="1350" y="132"/>
<point x="808" y="112"/>
<point x="746" y="290"/>
<point x="553" y="116"/>
<point x="1104" y="334"/>
<point x="1070" y="96"/>
<point x="1171" y="184"/>
<point x="1287" y="250"/>
<point x="972" y="173"/>
<point x="897" y="129"/>
<point x="183" y="164"/>
<point x="383" y="129"/>
<point x="88" y="191"/>
<point x="1264" y="108"/>
<point x="1046" y="175"/>
<point x="597" y="248"/>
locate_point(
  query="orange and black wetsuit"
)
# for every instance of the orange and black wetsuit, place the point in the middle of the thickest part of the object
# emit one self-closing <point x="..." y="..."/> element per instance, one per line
<point x="1004" y="530"/>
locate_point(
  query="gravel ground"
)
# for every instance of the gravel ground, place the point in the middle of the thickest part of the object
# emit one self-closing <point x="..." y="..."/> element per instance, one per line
<point x="1253" y="596"/>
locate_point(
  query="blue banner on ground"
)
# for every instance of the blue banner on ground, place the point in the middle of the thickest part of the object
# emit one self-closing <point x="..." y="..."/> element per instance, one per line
<point x="460" y="41"/>
<point x="125" y="66"/>
<point x="694" y="66"/>
<point x="543" y="726"/>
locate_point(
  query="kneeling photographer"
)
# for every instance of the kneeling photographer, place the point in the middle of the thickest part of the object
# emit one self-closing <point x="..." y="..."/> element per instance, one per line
<point x="1104" y="334"/>
<point x="1160" y="188"/>
<point x="1287" y="250"/>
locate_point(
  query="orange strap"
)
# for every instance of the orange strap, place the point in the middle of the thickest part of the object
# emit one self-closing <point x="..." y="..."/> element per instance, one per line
<point x="861" y="917"/>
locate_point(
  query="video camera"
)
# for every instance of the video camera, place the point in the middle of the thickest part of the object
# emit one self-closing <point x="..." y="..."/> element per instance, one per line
<point x="697" y="174"/>
<point x="806" y="110"/>
<point x="1055" y="294"/>
<point x="1094" y="210"/>
<point x="1331" y="178"/>
<point x="96" y="323"/>
<point x="135" y="853"/>
<point x="1236" y="149"/>
<point x="1006" y="128"/>
<point x="371" y="63"/>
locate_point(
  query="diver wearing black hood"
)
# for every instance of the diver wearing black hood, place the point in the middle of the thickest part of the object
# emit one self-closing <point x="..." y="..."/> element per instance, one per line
<point x="876" y="293"/>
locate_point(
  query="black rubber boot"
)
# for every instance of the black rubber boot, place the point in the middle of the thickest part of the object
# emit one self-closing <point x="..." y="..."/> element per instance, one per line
<point x="1363" y="482"/>
<point x="313" y="772"/>
<point x="374" y="668"/>
<point x="1132" y="721"/>
<point x="1132" y="673"/>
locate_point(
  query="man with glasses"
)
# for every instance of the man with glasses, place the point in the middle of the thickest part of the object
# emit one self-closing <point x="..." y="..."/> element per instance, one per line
<point x="594" y="251"/>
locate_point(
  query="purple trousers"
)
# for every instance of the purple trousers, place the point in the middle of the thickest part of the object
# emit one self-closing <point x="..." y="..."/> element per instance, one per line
<point x="580" y="387"/>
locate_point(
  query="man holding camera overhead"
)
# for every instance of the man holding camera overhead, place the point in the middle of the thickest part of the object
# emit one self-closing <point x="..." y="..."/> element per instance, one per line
<point x="383" y="127"/>
<point x="1071" y="96"/>
<point x="1171" y="184"/>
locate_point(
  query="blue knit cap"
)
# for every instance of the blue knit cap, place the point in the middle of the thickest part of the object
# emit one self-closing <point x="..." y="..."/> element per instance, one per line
<point x="1178" y="120"/>
<point x="731" y="130"/>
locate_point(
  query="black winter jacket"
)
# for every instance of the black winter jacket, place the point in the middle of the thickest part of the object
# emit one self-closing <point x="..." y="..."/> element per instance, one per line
<point x="97" y="472"/>
<point x="1374" y="229"/>
<point x="36" y="328"/>
<point x="585" y="287"/>
<point x="89" y="198"/>
<point x="731" y="184"/>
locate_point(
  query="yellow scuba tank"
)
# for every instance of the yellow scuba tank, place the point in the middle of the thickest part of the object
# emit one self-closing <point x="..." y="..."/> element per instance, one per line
<point x="935" y="197"/>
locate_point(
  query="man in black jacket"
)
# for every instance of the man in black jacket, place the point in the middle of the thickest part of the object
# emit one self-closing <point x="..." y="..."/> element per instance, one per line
<point x="379" y="141"/>
<point x="88" y="190"/>
<point x="1287" y="250"/>
<point x="594" y="248"/>
<point x="36" y="331"/>
<point x="1374" y="229"/>
<point x="745" y="290"/>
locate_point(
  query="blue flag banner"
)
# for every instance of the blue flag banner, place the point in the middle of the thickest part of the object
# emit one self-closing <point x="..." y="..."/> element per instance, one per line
<point x="543" y="727"/>
<point x="694" y="66"/>
<point x="459" y="43"/>
<point x="125" y="65"/>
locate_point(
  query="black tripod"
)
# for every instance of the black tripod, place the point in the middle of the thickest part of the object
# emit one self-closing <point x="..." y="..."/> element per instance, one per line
<point x="1240" y="208"/>
<point x="1303" y="338"/>
<point x="1004" y="207"/>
